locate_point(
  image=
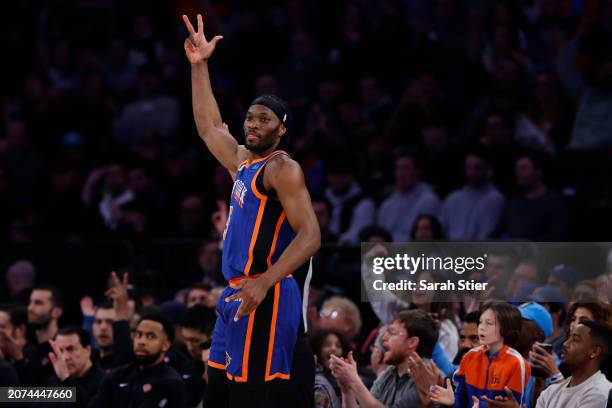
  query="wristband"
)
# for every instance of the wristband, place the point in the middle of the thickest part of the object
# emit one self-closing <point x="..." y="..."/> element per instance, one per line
<point x="555" y="378"/>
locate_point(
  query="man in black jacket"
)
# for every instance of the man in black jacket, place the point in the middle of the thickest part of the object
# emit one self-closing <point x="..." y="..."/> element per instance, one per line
<point x="149" y="381"/>
<point x="71" y="359"/>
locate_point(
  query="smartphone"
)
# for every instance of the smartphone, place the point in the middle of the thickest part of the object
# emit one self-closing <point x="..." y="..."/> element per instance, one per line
<point x="536" y="371"/>
<point x="546" y="346"/>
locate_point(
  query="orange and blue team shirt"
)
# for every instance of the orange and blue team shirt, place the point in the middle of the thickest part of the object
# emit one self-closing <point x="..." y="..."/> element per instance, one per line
<point x="258" y="348"/>
<point x="483" y="374"/>
<point x="257" y="217"/>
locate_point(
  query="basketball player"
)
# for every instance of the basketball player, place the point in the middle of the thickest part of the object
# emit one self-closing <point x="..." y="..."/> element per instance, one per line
<point x="271" y="231"/>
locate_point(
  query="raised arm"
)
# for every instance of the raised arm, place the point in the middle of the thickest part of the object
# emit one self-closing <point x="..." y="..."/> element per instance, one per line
<point x="205" y="110"/>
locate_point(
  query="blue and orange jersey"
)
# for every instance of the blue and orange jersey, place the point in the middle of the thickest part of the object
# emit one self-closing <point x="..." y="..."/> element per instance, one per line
<point x="482" y="373"/>
<point x="257" y="231"/>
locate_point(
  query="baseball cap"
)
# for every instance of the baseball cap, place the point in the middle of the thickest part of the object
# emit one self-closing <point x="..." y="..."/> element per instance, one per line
<point x="565" y="273"/>
<point x="546" y="294"/>
<point x="537" y="313"/>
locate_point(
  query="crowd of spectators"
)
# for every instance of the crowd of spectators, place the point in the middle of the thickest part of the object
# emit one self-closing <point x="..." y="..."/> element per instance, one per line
<point x="413" y="120"/>
<point x="442" y="107"/>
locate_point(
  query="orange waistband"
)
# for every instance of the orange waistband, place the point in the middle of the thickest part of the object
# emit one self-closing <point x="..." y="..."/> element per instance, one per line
<point x="240" y="278"/>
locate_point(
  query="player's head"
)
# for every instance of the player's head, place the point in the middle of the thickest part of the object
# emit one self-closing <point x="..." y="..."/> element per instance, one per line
<point x="265" y="124"/>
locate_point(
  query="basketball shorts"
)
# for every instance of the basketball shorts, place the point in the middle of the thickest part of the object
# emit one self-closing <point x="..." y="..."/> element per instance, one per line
<point x="258" y="347"/>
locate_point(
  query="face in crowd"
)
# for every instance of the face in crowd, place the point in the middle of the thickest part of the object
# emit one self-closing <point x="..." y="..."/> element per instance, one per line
<point x="42" y="309"/>
<point x="150" y="343"/>
<point x="103" y="327"/>
<point x="77" y="357"/>
<point x="488" y="328"/>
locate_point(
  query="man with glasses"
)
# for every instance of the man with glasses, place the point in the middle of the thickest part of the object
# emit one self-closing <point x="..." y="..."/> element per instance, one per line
<point x="413" y="333"/>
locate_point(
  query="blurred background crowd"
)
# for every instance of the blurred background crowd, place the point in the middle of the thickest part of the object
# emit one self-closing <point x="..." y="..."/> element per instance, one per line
<point x="412" y="120"/>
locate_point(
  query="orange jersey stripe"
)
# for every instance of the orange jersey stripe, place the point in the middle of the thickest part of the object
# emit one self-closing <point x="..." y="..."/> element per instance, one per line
<point x="278" y="375"/>
<point x="276" y="232"/>
<point x="260" y="212"/>
<point x="272" y="330"/>
<point x="216" y="365"/>
<point x="247" y="347"/>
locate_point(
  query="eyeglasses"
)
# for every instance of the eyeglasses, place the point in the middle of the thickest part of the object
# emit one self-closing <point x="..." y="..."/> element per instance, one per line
<point x="392" y="332"/>
<point x="332" y="314"/>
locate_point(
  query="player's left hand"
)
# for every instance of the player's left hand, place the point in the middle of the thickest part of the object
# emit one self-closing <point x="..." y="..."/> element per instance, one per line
<point x="253" y="291"/>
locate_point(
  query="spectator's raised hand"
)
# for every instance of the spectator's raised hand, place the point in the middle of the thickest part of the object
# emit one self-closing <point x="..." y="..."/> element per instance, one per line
<point x="424" y="376"/>
<point x="118" y="294"/>
<point x="59" y="363"/>
<point x="219" y="218"/>
<point x="543" y="360"/>
<point x="376" y="360"/>
<point x="11" y="348"/>
<point x="441" y="395"/>
<point x="197" y="48"/>
<point x="344" y="370"/>
<point x="503" y="402"/>
<point x="87" y="306"/>
<point x="376" y="251"/>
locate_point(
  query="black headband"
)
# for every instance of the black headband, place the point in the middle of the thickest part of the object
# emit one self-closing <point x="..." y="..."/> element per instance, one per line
<point x="276" y="105"/>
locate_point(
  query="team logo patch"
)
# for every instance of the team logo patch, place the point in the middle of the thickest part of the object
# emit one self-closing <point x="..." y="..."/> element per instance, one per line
<point x="495" y="379"/>
<point x="238" y="192"/>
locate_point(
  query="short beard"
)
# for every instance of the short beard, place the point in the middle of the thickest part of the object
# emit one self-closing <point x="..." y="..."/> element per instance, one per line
<point x="42" y="325"/>
<point x="148" y="361"/>
<point x="260" y="148"/>
<point x="263" y="145"/>
<point x="393" y="360"/>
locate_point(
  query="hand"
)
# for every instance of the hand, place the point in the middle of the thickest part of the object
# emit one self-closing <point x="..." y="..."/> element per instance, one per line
<point x="424" y="376"/>
<point x="10" y="347"/>
<point x="118" y="294"/>
<point x="197" y="48"/>
<point x="87" y="307"/>
<point x="205" y="356"/>
<point x="543" y="359"/>
<point x="253" y="291"/>
<point x="376" y="360"/>
<point x="58" y="361"/>
<point x="344" y="370"/>
<point x="219" y="217"/>
<point x="376" y="251"/>
<point x="443" y="396"/>
<point x="503" y="402"/>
